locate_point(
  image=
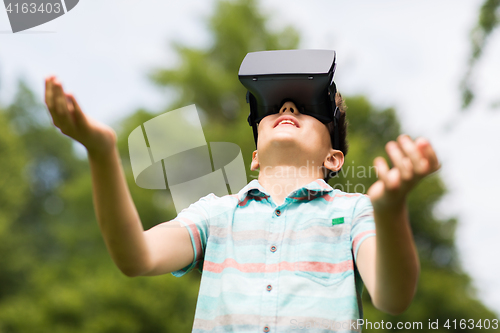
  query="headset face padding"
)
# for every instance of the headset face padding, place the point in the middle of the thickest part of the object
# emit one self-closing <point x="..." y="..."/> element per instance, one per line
<point x="303" y="76"/>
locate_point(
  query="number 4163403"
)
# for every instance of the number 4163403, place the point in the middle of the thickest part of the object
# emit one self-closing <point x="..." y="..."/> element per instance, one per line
<point x="471" y="324"/>
<point x="32" y="8"/>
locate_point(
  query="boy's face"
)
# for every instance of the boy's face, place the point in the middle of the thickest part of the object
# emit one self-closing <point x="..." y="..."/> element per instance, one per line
<point x="290" y="131"/>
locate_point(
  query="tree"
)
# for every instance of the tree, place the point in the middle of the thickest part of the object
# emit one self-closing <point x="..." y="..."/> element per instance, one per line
<point x="444" y="290"/>
<point x="12" y="199"/>
<point x="56" y="275"/>
<point x="488" y="20"/>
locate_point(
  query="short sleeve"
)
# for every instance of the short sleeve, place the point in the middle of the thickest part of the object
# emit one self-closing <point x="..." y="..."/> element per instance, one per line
<point x="363" y="223"/>
<point x="196" y="220"/>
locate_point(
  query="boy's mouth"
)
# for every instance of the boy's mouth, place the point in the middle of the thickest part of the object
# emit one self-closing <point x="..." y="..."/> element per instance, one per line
<point x="286" y="120"/>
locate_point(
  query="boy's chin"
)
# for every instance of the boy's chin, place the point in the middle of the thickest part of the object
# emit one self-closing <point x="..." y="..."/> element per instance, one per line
<point x="285" y="141"/>
<point x="284" y="137"/>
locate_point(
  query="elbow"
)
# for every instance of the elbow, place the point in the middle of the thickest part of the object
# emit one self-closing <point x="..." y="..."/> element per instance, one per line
<point x="393" y="309"/>
<point x="130" y="271"/>
<point x="395" y="306"/>
<point x="134" y="267"/>
<point x="398" y="300"/>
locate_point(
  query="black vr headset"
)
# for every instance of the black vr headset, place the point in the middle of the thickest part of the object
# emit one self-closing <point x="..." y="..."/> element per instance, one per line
<point x="302" y="76"/>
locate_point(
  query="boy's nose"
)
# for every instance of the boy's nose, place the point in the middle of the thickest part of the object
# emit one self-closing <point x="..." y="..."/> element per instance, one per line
<point x="289" y="106"/>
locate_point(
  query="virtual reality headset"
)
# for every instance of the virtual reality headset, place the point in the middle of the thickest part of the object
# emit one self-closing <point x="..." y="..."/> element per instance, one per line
<point x="304" y="77"/>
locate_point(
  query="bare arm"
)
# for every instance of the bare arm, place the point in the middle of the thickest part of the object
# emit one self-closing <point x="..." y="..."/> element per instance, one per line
<point x="162" y="249"/>
<point x="388" y="263"/>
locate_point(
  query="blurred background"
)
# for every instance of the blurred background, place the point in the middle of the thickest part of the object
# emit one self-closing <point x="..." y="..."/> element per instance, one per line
<point x="425" y="68"/>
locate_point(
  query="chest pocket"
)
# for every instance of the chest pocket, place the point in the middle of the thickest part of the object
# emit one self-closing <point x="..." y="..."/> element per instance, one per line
<point x="323" y="251"/>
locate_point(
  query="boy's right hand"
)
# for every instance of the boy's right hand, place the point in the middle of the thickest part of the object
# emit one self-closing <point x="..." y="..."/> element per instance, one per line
<point x="69" y="118"/>
<point x="160" y="250"/>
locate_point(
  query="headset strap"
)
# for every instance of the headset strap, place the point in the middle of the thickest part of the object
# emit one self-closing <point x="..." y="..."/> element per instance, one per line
<point x="336" y="120"/>
<point x="336" y="134"/>
<point x="332" y="89"/>
<point x="253" y="111"/>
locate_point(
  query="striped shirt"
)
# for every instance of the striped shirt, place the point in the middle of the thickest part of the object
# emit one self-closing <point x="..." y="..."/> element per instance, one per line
<point x="288" y="268"/>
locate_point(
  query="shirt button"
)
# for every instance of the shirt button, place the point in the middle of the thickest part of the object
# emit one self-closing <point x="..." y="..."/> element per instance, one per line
<point x="266" y="329"/>
<point x="273" y="248"/>
<point x="278" y="212"/>
<point x="269" y="287"/>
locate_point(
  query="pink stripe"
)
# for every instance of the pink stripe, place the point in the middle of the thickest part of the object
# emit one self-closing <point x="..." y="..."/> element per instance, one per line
<point x="248" y="197"/>
<point x="301" y="198"/>
<point x="196" y="234"/>
<point x="231" y="263"/>
<point x="356" y="239"/>
<point x="244" y="202"/>
<point x="327" y="196"/>
<point x="317" y="266"/>
<point x="349" y="195"/>
<point x="273" y="268"/>
<point x="322" y="184"/>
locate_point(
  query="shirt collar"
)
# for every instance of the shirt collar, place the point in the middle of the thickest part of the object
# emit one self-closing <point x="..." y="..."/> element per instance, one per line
<point x="314" y="189"/>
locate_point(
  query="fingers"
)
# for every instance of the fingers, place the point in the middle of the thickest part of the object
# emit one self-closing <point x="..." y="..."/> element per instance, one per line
<point x="50" y="98"/>
<point x="413" y="158"/>
<point x="400" y="160"/>
<point x="381" y="167"/>
<point x="54" y="95"/>
<point x="412" y="161"/>
<point x="428" y="152"/>
<point x="419" y="163"/>
<point x="389" y="177"/>
<point x="77" y="111"/>
<point x="59" y="106"/>
<point x="49" y="93"/>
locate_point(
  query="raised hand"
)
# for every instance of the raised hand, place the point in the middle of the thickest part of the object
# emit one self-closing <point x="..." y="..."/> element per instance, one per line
<point x="70" y="119"/>
<point x="412" y="160"/>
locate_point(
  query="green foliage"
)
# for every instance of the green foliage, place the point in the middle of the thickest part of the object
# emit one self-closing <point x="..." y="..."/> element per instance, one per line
<point x="488" y="20"/>
<point x="13" y="190"/>
<point x="237" y="28"/>
<point x="444" y="291"/>
<point x="55" y="272"/>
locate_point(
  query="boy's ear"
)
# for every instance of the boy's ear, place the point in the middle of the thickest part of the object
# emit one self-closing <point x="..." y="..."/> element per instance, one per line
<point x="334" y="160"/>
<point x="255" y="161"/>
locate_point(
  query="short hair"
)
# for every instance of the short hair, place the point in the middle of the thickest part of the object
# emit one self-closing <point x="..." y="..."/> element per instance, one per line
<point x="342" y="128"/>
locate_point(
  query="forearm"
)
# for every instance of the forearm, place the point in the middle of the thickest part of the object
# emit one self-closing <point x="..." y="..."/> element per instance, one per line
<point x="397" y="264"/>
<point x="116" y="213"/>
<point x="390" y="264"/>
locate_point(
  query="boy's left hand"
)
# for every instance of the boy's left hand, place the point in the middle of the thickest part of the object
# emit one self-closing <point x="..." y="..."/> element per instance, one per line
<point x="412" y="160"/>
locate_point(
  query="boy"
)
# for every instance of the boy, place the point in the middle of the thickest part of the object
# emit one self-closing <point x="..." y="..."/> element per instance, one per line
<point x="287" y="252"/>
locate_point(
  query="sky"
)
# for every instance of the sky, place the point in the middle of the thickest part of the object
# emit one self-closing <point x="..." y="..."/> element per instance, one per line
<point x="409" y="55"/>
